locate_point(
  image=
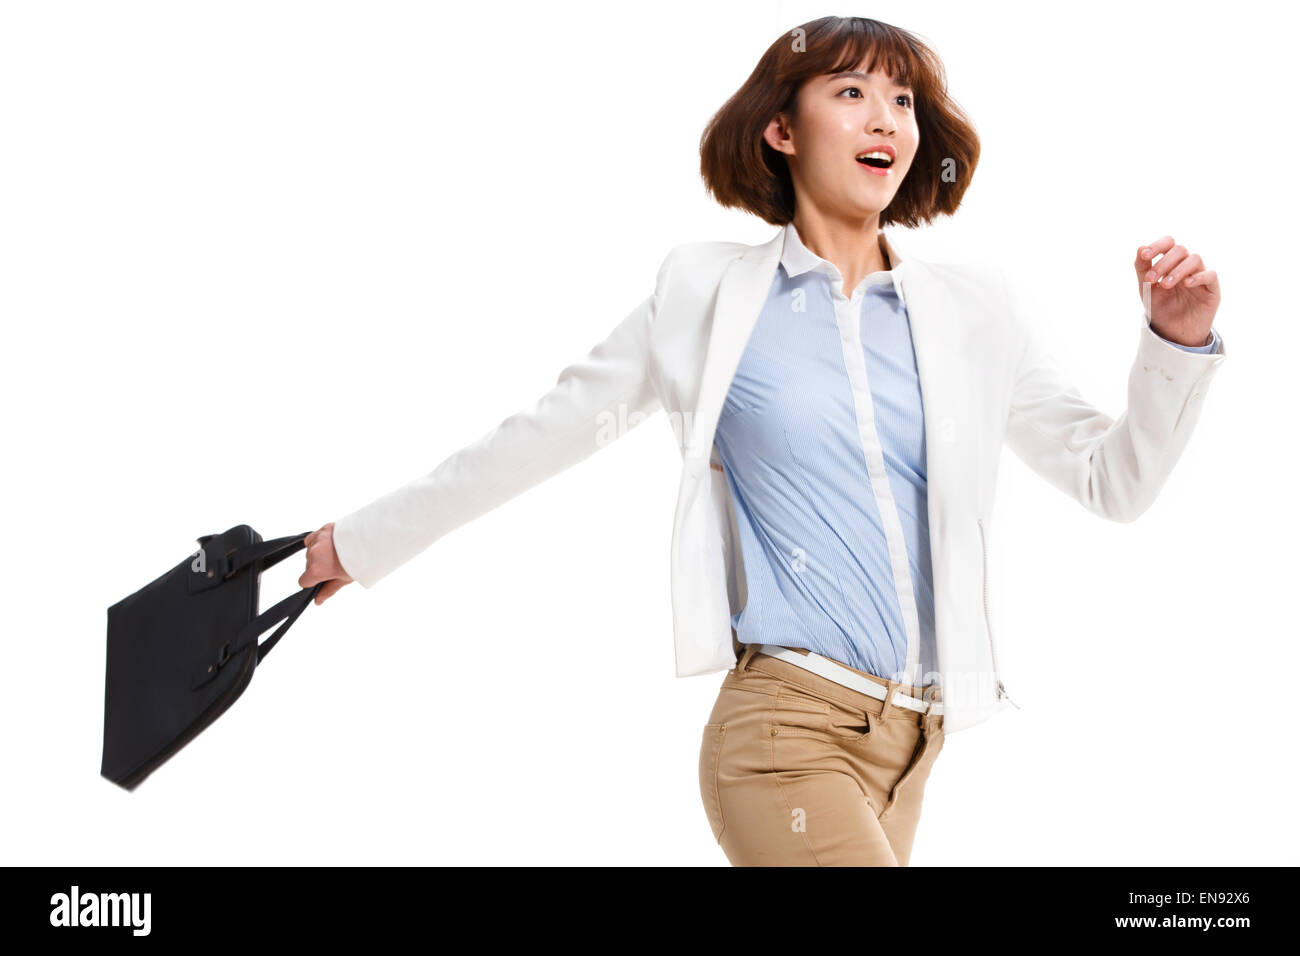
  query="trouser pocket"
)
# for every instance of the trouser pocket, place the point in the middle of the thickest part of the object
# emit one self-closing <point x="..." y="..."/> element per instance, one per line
<point x="797" y="712"/>
<point x="710" y="755"/>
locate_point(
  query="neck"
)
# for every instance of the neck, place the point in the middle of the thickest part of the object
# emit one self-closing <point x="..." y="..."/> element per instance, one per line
<point x="854" y="248"/>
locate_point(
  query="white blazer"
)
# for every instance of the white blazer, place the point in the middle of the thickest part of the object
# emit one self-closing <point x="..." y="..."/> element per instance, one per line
<point x="985" y="380"/>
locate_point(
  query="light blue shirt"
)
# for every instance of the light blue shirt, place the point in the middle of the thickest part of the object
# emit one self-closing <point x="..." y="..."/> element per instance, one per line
<point x="822" y="440"/>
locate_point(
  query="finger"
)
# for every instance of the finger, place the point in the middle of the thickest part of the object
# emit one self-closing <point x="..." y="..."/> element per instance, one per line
<point x="1153" y="249"/>
<point x="1188" y="267"/>
<point x="1140" y="264"/>
<point x="1166" y="264"/>
<point x="1207" y="278"/>
<point x="312" y="573"/>
<point x="328" y="591"/>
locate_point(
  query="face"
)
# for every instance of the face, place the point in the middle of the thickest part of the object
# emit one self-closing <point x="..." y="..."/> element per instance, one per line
<point x="840" y="118"/>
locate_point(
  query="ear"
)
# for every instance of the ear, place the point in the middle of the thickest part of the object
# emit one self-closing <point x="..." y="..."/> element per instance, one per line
<point x="777" y="134"/>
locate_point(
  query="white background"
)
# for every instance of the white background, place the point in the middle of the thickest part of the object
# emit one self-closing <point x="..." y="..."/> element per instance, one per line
<point x="338" y="241"/>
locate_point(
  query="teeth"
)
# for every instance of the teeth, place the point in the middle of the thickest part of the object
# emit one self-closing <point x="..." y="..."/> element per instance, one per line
<point x="877" y="154"/>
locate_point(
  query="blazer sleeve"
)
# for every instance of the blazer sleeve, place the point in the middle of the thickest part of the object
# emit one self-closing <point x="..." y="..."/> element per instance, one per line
<point x="594" y="401"/>
<point x="1113" y="467"/>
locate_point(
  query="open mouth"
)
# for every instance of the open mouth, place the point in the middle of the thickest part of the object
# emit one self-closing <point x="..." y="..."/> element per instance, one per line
<point x="876" y="160"/>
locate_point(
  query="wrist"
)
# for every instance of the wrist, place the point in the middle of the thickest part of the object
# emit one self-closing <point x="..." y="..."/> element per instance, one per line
<point x="1183" y="340"/>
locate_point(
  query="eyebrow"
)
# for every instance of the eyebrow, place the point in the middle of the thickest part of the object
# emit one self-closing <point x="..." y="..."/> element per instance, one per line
<point x="859" y="75"/>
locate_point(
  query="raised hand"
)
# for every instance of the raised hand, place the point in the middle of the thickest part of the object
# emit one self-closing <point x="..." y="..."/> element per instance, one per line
<point x="1179" y="294"/>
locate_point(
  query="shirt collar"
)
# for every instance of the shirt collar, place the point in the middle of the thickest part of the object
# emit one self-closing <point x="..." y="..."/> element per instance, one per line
<point x="798" y="259"/>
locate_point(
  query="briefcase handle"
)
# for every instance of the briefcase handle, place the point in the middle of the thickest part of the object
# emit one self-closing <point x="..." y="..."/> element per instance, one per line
<point x="287" y="610"/>
<point x="270" y="553"/>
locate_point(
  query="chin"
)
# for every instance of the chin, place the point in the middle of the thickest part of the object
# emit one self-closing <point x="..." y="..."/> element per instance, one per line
<point x="875" y="206"/>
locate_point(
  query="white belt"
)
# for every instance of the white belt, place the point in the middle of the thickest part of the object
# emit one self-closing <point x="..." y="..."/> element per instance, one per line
<point x="839" y="674"/>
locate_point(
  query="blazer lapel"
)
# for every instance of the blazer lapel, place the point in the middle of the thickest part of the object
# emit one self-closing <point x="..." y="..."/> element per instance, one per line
<point x="742" y="292"/>
<point x="941" y="374"/>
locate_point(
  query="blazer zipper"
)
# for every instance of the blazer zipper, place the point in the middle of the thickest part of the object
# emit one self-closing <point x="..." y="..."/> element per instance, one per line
<point x="988" y="626"/>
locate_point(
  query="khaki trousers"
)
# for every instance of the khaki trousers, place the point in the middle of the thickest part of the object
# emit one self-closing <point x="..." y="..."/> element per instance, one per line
<point x="797" y="770"/>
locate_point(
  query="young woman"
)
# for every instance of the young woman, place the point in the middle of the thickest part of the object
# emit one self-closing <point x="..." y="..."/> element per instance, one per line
<point x="840" y="409"/>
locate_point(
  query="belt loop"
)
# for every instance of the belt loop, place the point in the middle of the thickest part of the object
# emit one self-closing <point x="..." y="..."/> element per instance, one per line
<point x="889" y="698"/>
<point x="931" y="695"/>
<point x="750" y="651"/>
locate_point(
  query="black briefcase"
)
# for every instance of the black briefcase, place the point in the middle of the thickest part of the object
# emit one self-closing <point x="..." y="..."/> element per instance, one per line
<point x="184" y="647"/>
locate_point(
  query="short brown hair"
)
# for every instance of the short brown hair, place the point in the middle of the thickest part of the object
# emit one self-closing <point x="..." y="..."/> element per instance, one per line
<point x="741" y="170"/>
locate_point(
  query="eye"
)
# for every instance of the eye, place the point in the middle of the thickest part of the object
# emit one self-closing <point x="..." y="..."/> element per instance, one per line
<point x="907" y="97"/>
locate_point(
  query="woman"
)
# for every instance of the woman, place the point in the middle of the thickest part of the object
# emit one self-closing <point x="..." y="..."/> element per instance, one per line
<point x="847" y="406"/>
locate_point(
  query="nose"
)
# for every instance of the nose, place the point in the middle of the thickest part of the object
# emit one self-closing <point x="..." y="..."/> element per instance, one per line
<point x="881" y="118"/>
